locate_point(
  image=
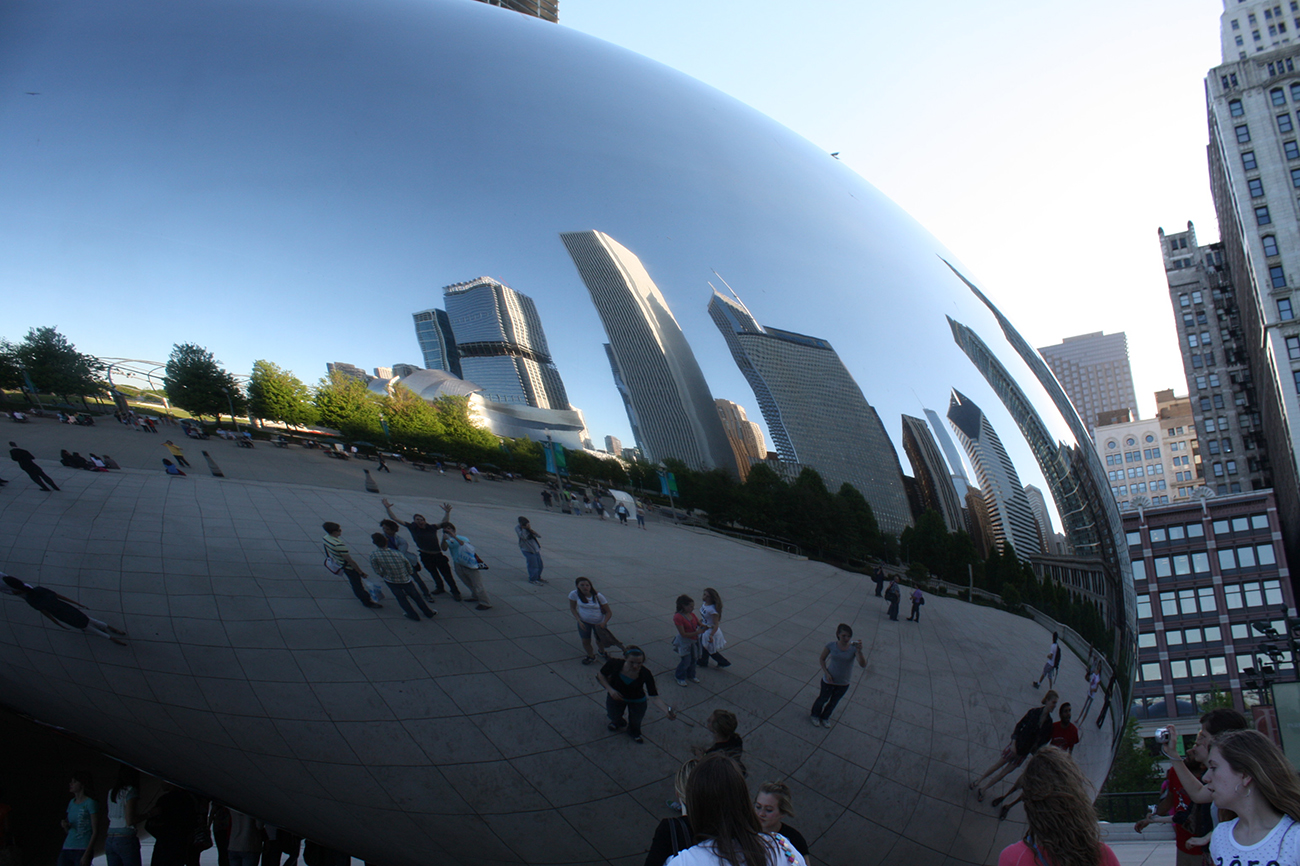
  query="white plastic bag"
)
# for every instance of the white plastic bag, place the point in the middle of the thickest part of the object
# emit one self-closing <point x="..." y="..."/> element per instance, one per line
<point x="374" y="587"/>
<point x="713" y="641"/>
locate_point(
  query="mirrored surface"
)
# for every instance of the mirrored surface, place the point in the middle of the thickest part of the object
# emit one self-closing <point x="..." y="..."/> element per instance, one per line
<point x="612" y="248"/>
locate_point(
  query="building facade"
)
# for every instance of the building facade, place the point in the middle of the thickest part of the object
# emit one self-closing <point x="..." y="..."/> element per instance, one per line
<point x="1220" y="380"/>
<point x="1094" y="371"/>
<point x="433" y="331"/>
<point x="1252" y="103"/>
<point x="501" y="344"/>
<point x="1206" y="570"/>
<point x="825" y="422"/>
<point x="669" y="404"/>
<point x="1139" y="464"/>
<point x="613" y="446"/>
<point x="934" y="480"/>
<point x="547" y="10"/>
<point x="745" y="436"/>
<point x="351" y="371"/>
<point x="1007" y="516"/>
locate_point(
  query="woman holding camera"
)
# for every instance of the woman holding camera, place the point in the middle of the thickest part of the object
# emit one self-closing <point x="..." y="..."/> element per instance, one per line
<point x="837" y="664"/>
<point x="1252" y="778"/>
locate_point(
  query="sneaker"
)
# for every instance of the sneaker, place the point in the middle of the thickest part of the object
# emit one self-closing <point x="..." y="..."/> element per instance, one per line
<point x="438" y="591"/>
<point x="637" y="739"/>
<point x="695" y="679"/>
<point x="674" y="805"/>
<point x="826" y="723"/>
<point x="483" y="607"/>
<point x="682" y="683"/>
<point x="816" y="722"/>
<point x="588" y="660"/>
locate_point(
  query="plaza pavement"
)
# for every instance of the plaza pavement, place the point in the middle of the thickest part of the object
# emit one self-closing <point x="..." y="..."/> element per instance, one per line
<point x="254" y="675"/>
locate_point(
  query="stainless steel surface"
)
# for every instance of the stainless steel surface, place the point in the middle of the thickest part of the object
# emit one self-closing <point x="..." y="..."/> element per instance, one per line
<point x="293" y="180"/>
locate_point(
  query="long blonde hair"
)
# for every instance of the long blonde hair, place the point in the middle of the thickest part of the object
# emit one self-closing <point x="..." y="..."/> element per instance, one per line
<point x="1250" y="753"/>
<point x="1058" y="806"/>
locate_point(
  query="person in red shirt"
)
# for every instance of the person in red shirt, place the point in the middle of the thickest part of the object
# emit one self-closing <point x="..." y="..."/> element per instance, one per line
<point x="1176" y="808"/>
<point x="1064" y="734"/>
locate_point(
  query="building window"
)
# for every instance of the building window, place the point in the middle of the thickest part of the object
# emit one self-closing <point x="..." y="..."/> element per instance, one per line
<point x="1284" y="309"/>
<point x="1293" y="348"/>
<point x="1243" y="133"/>
<point x="1192" y="341"/>
<point x="1231" y="466"/>
<point x="1182" y="300"/>
<point x="1256" y="187"/>
<point x="1270" y="242"/>
<point x="1278" y="96"/>
<point x="1291" y="149"/>
<point x="1235" y="108"/>
<point x="1248" y="160"/>
<point x="1262" y="217"/>
<point x="1278" y="276"/>
<point x="1295" y="375"/>
<point x="1284" y="123"/>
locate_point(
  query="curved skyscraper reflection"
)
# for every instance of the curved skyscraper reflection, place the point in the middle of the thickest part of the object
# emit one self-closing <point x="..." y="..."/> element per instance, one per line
<point x="259" y="166"/>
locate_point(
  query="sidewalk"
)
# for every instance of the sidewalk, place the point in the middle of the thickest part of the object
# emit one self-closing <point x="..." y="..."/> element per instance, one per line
<point x="1152" y="847"/>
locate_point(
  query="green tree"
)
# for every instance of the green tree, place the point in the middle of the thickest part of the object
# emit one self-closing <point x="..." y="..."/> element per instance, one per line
<point x="1134" y="767"/>
<point x="458" y="429"/>
<point x="195" y="382"/>
<point x="56" y="367"/>
<point x="11" y="372"/>
<point x="278" y="395"/>
<point x="346" y="405"/>
<point x="412" y="421"/>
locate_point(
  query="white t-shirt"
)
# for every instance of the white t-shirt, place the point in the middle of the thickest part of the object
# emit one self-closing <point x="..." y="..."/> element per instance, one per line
<point x="1281" y="847"/>
<point x="117" y="809"/>
<point x="704" y="855"/>
<point x="589" y="611"/>
<point x="707" y="613"/>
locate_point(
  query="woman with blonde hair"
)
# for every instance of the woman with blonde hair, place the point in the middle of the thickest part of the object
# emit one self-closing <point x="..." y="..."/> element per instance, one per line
<point x="674" y="834"/>
<point x="723" y="820"/>
<point x="1252" y="778"/>
<point x="773" y="805"/>
<point x="1062" y="821"/>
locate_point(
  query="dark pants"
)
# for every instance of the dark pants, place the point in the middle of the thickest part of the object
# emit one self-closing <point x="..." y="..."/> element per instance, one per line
<point x="404" y="591"/>
<point x="916" y="612"/>
<point x="439" y="569"/>
<point x="181" y="461"/>
<point x="893" y="610"/>
<point x="635" y="713"/>
<point x="717" y="657"/>
<point x="827" y="700"/>
<point x="358" y="588"/>
<point x="38" y="475"/>
<point x="283" y="843"/>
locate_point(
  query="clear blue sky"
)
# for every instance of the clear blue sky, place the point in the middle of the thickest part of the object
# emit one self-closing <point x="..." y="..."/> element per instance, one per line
<point x="1044" y="143"/>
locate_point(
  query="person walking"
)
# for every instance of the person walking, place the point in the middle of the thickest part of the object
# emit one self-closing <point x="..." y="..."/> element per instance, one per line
<point x="1253" y="779"/>
<point x="640" y="515"/>
<point x="395" y="570"/>
<point x="61" y="610"/>
<point x="722" y="815"/>
<point x="530" y="544"/>
<point x="687" y="639"/>
<point x="383" y="466"/>
<point x="712" y="641"/>
<point x="27" y="462"/>
<point x="1053" y="662"/>
<point x="878" y="578"/>
<point x="468" y="565"/>
<point x="546" y="498"/>
<point x="1033" y="731"/>
<point x="425" y="536"/>
<point x="122" y="846"/>
<point x="837" y="666"/>
<point x="1094" y="684"/>
<point x="893" y="595"/>
<point x="628" y="689"/>
<point x="177" y="453"/>
<point x="918" y="599"/>
<point x="620" y="511"/>
<point x="337" y="553"/>
<point x="1063" y="829"/>
<point x="591" y="610"/>
<point x="82" y="823"/>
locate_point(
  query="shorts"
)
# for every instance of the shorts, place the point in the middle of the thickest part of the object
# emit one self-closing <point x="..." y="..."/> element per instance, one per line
<point x="1011" y="757"/>
<point x="586" y="629"/>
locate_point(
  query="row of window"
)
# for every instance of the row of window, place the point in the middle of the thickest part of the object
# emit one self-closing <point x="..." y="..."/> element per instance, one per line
<point x="1184" y="301"/>
<point x="1214" y="401"/>
<point x="1252" y="594"/>
<point x="1277" y="68"/>
<point x="1181" y="669"/>
<point x="1135" y="472"/>
<point x="1227" y="467"/>
<point x="1214" y="446"/>
<point x="1180" y="446"/>
<point x="1190" y="321"/>
<point x="1140" y="487"/>
<point x="1198" y="562"/>
<point x="1192" y="704"/>
<point x="1212" y="426"/>
<point x="1178" y="637"/>
<point x="1180" y="531"/>
<point x="1184" y="476"/>
<point x="1188" y="602"/>
<point x="1206" y="360"/>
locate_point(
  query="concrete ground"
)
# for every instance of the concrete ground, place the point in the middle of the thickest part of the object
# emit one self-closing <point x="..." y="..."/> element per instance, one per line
<point x="479" y="737"/>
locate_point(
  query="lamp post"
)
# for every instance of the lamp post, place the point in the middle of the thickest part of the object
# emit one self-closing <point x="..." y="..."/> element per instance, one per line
<point x="231" y="402"/>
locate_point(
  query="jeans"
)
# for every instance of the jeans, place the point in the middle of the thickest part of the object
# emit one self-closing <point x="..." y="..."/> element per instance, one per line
<point x="635" y="713"/>
<point x="72" y="856"/>
<point x="828" y="699"/>
<point x="358" y="588"/>
<point x="916" y="612"/>
<point x="439" y="568"/>
<point x="893" y="610"/>
<point x="404" y="591"/>
<point x="122" y="849"/>
<point x="705" y="655"/>
<point x="686" y="664"/>
<point x="534" y="561"/>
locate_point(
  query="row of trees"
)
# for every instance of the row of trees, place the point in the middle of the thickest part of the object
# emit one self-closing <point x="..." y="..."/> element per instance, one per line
<point x="46" y="361"/>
